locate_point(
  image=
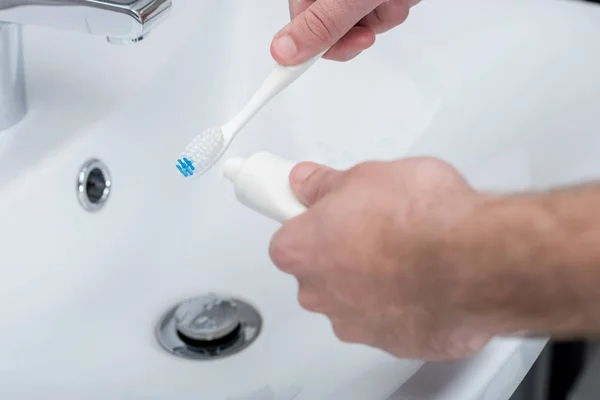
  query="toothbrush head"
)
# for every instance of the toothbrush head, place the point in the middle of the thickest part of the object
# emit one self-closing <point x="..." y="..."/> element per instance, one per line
<point x="202" y="153"/>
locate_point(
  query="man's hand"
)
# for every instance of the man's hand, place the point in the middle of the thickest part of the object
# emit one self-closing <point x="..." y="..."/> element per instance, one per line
<point x="349" y="25"/>
<point x="364" y="254"/>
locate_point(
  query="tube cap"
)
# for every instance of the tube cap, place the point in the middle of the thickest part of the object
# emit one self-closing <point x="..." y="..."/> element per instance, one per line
<point x="232" y="166"/>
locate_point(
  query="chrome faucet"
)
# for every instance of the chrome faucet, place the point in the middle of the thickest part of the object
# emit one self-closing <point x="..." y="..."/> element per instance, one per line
<point x="121" y="21"/>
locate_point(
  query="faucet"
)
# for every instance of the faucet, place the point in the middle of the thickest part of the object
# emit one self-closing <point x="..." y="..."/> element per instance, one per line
<point x="120" y="21"/>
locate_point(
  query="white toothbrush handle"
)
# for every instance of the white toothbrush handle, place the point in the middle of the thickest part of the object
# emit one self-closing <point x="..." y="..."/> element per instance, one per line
<point x="280" y="77"/>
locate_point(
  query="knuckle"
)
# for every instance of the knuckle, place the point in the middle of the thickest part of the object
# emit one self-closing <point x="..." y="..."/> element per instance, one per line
<point x="432" y="168"/>
<point x="345" y="333"/>
<point x="387" y="15"/>
<point x="308" y="301"/>
<point x="362" y="170"/>
<point x="315" y="193"/>
<point x="398" y="11"/>
<point x="378" y="15"/>
<point x="320" y="24"/>
<point x="295" y="8"/>
<point x="403" y="16"/>
<point x="280" y="252"/>
<point x="358" y="170"/>
<point x="318" y="185"/>
<point x="432" y="162"/>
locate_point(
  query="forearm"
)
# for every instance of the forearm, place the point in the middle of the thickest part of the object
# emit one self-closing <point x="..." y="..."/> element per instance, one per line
<point x="531" y="262"/>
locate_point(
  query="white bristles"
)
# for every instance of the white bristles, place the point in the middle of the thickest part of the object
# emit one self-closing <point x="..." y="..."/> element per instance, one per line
<point x="205" y="150"/>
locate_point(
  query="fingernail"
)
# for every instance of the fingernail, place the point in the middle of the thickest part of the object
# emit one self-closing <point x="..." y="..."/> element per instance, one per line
<point x="286" y="46"/>
<point x="302" y="171"/>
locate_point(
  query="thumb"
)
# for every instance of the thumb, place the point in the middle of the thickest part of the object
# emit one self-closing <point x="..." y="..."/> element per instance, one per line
<point x="311" y="182"/>
<point x="317" y="28"/>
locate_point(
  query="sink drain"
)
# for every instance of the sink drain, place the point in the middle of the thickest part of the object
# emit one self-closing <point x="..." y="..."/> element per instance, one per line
<point x="209" y="327"/>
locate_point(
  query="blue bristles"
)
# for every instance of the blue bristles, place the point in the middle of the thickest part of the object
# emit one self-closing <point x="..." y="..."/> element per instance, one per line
<point x="185" y="167"/>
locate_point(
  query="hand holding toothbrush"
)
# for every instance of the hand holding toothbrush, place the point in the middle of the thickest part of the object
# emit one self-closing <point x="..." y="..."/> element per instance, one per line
<point x="349" y="26"/>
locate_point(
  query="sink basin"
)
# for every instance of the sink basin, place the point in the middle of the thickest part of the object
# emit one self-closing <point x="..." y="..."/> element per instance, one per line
<point x="483" y="86"/>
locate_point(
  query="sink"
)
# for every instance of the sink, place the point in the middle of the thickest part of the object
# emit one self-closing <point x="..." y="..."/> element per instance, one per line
<point x="81" y="293"/>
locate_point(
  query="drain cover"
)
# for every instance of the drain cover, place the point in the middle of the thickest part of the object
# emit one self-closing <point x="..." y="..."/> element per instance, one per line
<point x="209" y="327"/>
<point x="207" y="318"/>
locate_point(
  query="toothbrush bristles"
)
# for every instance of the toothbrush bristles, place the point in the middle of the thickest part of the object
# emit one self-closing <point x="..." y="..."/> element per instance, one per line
<point x="185" y="166"/>
<point x="202" y="153"/>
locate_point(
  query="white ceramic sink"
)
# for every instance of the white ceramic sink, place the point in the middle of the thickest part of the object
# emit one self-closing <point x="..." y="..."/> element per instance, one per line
<point x="483" y="85"/>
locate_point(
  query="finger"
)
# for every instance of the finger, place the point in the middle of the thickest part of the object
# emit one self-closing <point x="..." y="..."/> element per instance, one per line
<point x="317" y="28"/>
<point x="311" y="182"/>
<point x="308" y="297"/>
<point x="348" y="332"/>
<point x="292" y="247"/>
<point x="386" y="16"/>
<point x="298" y="6"/>
<point x="359" y="38"/>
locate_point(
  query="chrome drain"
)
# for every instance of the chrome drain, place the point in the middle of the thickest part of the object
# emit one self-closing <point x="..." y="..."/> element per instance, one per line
<point x="93" y="185"/>
<point x="209" y="327"/>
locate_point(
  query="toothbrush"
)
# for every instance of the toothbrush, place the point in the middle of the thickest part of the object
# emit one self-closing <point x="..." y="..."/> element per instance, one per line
<point x="208" y="147"/>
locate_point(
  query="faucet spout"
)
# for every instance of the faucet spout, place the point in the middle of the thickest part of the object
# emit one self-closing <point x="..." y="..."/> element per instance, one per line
<point x="13" y="102"/>
<point x="124" y="20"/>
<point x="120" y="21"/>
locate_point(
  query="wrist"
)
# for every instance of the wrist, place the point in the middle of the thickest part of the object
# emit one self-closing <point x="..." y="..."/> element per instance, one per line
<point x="528" y="263"/>
<point x="498" y="250"/>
